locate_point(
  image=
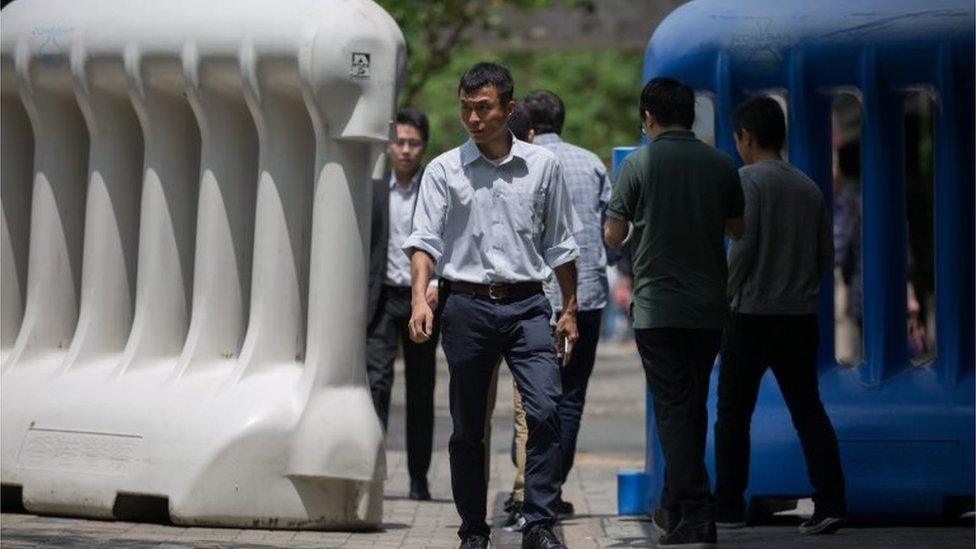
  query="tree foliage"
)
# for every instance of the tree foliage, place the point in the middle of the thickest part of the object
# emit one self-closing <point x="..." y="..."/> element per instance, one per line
<point x="434" y="30"/>
<point x="600" y="89"/>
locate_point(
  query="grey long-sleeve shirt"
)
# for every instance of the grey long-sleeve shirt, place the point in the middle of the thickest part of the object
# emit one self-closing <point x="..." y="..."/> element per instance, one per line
<point x="776" y="267"/>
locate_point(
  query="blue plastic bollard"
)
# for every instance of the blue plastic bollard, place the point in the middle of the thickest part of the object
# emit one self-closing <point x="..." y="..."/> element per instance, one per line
<point x="631" y="492"/>
<point x="906" y="433"/>
<point x="619" y="154"/>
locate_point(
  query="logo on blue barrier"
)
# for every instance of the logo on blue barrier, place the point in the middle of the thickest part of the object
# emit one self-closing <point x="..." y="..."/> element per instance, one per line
<point x="762" y="44"/>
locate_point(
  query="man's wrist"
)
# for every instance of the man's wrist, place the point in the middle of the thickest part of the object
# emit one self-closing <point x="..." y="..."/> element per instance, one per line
<point x="419" y="297"/>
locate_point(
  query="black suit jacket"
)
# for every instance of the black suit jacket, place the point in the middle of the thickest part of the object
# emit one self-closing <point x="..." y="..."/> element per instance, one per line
<point x="378" y="240"/>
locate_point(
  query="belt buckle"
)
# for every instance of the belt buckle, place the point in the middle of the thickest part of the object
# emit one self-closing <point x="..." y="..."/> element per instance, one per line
<point x="497" y="291"/>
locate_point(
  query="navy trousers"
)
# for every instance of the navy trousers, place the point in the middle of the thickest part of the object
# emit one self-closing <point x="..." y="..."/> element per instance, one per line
<point x="575" y="378"/>
<point x="475" y="331"/>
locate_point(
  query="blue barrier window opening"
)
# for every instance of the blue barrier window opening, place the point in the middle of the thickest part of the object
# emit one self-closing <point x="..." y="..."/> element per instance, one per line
<point x="919" y="218"/>
<point x="846" y="147"/>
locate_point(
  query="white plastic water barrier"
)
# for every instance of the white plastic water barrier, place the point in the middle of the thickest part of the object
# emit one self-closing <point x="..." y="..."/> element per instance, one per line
<point x="184" y="256"/>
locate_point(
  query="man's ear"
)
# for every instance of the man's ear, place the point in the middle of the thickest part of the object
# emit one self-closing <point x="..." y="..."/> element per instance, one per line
<point x="649" y="119"/>
<point x="748" y="139"/>
<point x="510" y="108"/>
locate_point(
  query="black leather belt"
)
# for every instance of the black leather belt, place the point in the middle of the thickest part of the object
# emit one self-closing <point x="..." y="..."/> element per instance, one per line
<point x="397" y="289"/>
<point x="496" y="292"/>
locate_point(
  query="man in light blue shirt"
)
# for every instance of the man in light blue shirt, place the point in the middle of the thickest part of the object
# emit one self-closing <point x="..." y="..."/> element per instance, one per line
<point x="509" y="219"/>
<point x="494" y="219"/>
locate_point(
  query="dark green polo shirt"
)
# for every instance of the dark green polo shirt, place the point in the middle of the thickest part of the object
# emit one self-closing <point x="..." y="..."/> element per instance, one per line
<point x="678" y="192"/>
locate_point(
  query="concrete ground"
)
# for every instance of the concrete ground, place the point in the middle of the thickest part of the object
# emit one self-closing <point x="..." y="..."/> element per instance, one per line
<point x="611" y="439"/>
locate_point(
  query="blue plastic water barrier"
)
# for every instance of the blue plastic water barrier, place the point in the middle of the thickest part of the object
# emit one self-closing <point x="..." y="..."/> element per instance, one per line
<point x="906" y="433"/>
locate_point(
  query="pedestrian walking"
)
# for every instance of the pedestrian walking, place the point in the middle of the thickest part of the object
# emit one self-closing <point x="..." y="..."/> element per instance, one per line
<point x="394" y="201"/>
<point x="586" y="179"/>
<point x="681" y="196"/>
<point x="494" y="220"/>
<point x="775" y="271"/>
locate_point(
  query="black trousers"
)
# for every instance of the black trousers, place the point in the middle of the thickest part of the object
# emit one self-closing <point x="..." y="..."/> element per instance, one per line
<point x="788" y="345"/>
<point x="677" y="364"/>
<point x="387" y="329"/>
<point x="576" y="378"/>
<point x="477" y="331"/>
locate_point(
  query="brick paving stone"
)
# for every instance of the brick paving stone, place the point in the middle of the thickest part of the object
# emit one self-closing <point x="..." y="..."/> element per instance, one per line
<point x="613" y="421"/>
<point x="319" y="537"/>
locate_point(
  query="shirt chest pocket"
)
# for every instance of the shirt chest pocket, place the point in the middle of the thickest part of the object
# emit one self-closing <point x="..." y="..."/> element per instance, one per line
<point x="525" y="209"/>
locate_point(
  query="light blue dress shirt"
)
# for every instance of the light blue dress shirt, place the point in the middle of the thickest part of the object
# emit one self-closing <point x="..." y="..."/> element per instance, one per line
<point x="495" y="221"/>
<point x="402" y="202"/>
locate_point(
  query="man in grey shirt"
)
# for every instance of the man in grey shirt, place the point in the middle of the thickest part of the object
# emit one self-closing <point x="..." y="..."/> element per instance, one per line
<point x="774" y="278"/>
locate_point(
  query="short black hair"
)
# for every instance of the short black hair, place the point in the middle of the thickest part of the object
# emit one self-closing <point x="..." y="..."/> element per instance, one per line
<point x="669" y="101"/>
<point x="849" y="158"/>
<point x="415" y="118"/>
<point x="487" y="73"/>
<point x="546" y="111"/>
<point x="520" y="123"/>
<point x="761" y="116"/>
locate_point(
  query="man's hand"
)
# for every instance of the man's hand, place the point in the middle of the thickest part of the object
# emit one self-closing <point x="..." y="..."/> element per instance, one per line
<point x="566" y="335"/>
<point x="432" y="296"/>
<point x="615" y="231"/>
<point x="421" y="323"/>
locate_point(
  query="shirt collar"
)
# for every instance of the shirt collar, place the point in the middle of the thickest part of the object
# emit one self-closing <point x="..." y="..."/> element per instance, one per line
<point x="413" y="181"/>
<point x="686" y="135"/>
<point x="470" y="152"/>
<point x="547" y="138"/>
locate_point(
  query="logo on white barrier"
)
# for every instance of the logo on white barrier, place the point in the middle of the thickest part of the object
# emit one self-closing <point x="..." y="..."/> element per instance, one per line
<point x="359" y="68"/>
<point x="49" y="50"/>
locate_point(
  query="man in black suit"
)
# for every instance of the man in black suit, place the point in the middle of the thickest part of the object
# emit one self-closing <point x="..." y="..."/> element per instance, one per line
<point x="394" y="200"/>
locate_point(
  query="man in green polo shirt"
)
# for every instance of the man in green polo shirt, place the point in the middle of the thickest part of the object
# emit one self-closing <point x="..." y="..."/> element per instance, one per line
<point x="681" y="197"/>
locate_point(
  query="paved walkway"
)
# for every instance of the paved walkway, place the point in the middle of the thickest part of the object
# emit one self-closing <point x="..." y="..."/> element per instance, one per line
<point x="611" y="439"/>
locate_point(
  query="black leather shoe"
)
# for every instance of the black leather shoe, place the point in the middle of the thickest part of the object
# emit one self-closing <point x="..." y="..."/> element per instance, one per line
<point x="540" y="536"/>
<point x="663" y="520"/>
<point x="729" y="519"/>
<point x="689" y="535"/>
<point x="563" y="508"/>
<point x="418" y="490"/>
<point x="474" y="542"/>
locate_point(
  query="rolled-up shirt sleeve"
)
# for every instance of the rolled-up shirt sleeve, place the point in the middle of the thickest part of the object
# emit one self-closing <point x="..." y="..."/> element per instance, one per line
<point x="559" y="221"/>
<point x="430" y="213"/>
